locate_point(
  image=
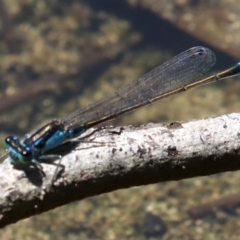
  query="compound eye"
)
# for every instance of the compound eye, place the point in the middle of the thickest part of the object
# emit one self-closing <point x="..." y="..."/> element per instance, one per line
<point x="27" y="152"/>
<point x="14" y="138"/>
<point x="10" y="139"/>
<point x="11" y="142"/>
<point x="7" y="140"/>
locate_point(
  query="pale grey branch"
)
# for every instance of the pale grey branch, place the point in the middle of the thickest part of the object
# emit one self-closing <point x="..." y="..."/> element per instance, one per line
<point x="121" y="158"/>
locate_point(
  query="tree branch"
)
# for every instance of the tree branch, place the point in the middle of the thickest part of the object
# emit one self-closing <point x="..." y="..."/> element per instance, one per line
<point x="121" y="158"/>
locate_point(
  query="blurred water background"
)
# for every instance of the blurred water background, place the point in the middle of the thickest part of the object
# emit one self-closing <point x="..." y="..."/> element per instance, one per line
<point x="57" y="56"/>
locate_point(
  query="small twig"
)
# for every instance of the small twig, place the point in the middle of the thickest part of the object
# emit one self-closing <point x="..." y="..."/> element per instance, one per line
<point x="131" y="157"/>
<point x="224" y="203"/>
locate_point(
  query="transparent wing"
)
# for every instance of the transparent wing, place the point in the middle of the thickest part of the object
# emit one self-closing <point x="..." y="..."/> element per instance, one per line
<point x="162" y="81"/>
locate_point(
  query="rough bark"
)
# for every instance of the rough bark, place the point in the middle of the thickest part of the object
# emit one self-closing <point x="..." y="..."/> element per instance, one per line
<point x="115" y="158"/>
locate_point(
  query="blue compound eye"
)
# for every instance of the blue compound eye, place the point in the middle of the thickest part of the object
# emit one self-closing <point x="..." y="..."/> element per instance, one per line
<point x="26" y="152"/>
<point x="14" y="138"/>
<point x="25" y="155"/>
<point x="11" y="142"/>
<point x="8" y="139"/>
